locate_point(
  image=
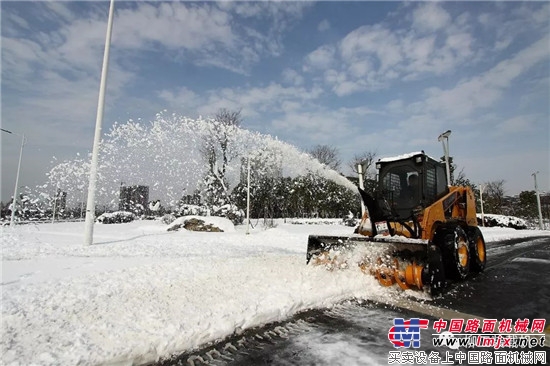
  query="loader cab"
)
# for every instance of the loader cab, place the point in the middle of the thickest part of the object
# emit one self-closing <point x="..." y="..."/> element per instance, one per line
<point x="410" y="181"/>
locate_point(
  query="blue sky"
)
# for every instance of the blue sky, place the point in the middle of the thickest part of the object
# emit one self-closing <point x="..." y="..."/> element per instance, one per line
<point x="385" y="77"/>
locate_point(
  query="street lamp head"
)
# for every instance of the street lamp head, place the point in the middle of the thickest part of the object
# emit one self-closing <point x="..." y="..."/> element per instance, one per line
<point x="444" y="135"/>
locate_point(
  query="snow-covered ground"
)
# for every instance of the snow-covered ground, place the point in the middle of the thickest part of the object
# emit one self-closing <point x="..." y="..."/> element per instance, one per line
<point x="141" y="293"/>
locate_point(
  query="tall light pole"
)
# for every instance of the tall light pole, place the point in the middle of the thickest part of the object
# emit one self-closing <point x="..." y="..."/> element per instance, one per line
<point x="444" y="138"/>
<point x="248" y="195"/>
<point x="361" y="184"/>
<point x="14" y="203"/>
<point x="90" y="204"/>
<point x="538" y="200"/>
<point x="481" y="188"/>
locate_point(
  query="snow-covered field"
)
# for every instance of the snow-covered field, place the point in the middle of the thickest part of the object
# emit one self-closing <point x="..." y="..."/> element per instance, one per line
<point x="141" y="293"/>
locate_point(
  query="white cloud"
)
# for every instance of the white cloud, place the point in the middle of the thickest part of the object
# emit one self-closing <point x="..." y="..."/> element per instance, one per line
<point x="372" y="57"/>
<point x="346" y="88"/>
<point x="56" y="70"/>
<point x="318" y="124"/>
<point x="292" y="77"/>
<point x="313" y="127"/>
<point x="484" y="19"/>
<point x="483" y="91"/>
<point x="174" y="25"/>
<point x="277" y="17"/>
<point x="515" y="125"/>
<point x="183" y="97"/>
<point x="255" y="101"/>
<point x="369" y="41"/>
<point x="59" y="9"/>
<point x="460" y="42"/>
<point x="361" y="68"/>
<point x="505" y="27"/>
<point x="13" y="21"/>
<point x="430" y="17"/>
<point x="322" y="58"/>
<point x="290" y="106"/>
<point x="323" y="26"/>
<point x="395" y="106"/>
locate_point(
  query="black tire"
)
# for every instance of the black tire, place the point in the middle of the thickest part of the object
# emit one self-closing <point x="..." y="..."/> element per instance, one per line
<point x="433" y="274"/>
<point x="455" y="250"/>
<point x="478" y="253"/>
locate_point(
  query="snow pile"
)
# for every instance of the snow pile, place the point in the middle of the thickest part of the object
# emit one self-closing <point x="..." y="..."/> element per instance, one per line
<point x="116" y="217"/>
<point x="220" y="223"/>
<point x="503" y="221"/>
<point x="494" y="234"/>
<point x="140" y="292"/>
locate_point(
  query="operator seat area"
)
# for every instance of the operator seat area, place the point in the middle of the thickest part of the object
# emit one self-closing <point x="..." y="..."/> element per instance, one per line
<point x="402" y="189"/>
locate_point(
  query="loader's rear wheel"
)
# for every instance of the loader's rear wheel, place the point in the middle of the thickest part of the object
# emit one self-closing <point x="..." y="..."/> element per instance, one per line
<point x="477" y="250"/>
<point x="456" y="253"/>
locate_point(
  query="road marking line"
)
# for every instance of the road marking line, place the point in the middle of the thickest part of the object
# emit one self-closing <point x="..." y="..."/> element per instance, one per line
<point x="531" y="260"/>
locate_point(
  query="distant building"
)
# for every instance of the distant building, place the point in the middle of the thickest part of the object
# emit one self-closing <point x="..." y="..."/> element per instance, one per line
<point x="133" y="198"/>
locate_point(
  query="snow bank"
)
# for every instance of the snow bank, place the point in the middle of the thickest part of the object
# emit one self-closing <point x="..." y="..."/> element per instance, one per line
<point x="141" y="292"/>
<point x="220" y="222"/>
<point x="503" y="221"/>
<point x="493" y="234"/>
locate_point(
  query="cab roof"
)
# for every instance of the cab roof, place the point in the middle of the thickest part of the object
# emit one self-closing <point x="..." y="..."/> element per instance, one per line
<point x="404" y="157"/>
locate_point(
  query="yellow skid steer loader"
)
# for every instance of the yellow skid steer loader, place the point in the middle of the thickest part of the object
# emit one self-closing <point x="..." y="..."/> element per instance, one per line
<point x="416" y="231"/>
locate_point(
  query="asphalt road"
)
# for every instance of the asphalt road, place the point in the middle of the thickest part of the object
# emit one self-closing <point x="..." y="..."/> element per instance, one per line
<point x="515" y="285"/>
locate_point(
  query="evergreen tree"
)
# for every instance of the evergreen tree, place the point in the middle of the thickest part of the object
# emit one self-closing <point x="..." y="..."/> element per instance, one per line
<point x="527" y="206"/>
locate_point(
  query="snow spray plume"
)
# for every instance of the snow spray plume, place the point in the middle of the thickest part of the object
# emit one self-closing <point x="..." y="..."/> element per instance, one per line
<point x="168" y="156"/>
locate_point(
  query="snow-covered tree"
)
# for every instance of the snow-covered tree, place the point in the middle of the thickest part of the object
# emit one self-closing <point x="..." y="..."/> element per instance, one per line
<point x="218" y="150"/>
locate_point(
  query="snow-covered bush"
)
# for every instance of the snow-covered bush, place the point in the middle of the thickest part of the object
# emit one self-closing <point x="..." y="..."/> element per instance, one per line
<point x="168" y="219"/>
<point x="117" y="217"/>
<point x="503" y="221"/>
<point x="230" y="212"/>
<point x="196" y="210"/>
<point x="349" y="220"/>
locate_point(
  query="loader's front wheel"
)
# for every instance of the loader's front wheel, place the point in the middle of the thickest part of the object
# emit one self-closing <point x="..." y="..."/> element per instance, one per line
<point x="456" y="253"/>
<point x="433" y="273"/>
<point x="478" y="258"/>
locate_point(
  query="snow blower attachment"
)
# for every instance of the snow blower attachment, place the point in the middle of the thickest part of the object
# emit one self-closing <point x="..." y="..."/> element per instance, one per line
<point x="416" y="231"/>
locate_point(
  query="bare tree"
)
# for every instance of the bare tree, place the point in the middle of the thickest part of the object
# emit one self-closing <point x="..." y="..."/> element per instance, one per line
<point x="462" y="180"/>
<point x="327" y="155"/>
<point x="367" y="159"/>
<point x="493" y="197"/>
<point x="227" y="120"/>
<point x="217" y="152"/>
